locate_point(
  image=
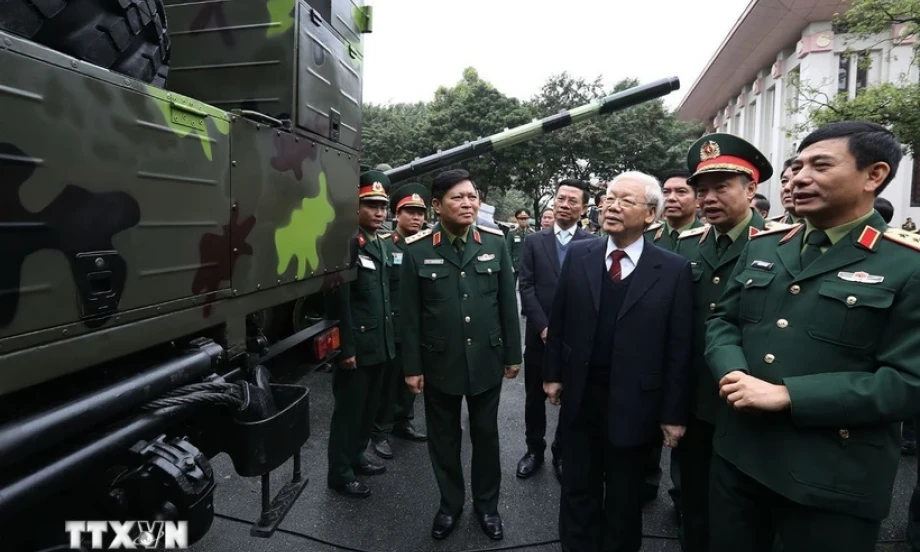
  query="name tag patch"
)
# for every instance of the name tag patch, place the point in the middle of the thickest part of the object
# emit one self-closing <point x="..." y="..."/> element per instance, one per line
<point x="366" y="262"/>
<point x="517" y="239"/>
<point x="434" y="261"/>
<point x="485" y="257"/>
<point x="861" y="277"/>
<point x="397" y="258"/>
<point x="762" y="265"/>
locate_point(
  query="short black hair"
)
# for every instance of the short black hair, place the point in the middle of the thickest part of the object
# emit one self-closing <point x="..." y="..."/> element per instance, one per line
<point x="884" y="208"/>
<point x="786" y="164"/>
<point x="448" y="179"/>
<point x="599" y="195"/>
<point x="761" y="202"/>
<point x="675" y="173"/>
<point x="519" y="211"/>
<point x="575" y="183"/>
<point x="868" y="142"/>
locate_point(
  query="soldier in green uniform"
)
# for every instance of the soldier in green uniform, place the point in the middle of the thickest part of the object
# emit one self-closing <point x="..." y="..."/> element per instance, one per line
<point x="815" y="347"/>
<point x="363" y="310"/>
<point x="460" y="335"/>
<point x="409" y="203"/>
<point x="679" y="216"/>
<point x="515" y="238"/>
<point x="790" y="216"/>
<point x="726" y="173"/>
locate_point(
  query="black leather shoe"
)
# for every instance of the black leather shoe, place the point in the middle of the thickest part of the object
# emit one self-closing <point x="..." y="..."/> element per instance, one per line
<point x="370" y="469"/>
<point x="382" y="449"/>
<point x="354" y="489"/>
<point x="409" y="433"/>
<point x="557" y="469"/>
<point x="528" y="464"/>
<point x="492" y="526"/>
<point x="443" y="525"/>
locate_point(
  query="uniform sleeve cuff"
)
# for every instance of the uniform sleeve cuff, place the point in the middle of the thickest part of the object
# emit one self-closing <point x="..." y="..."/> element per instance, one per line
<point x="726" y="359"/>
<point x="815" y="401"/>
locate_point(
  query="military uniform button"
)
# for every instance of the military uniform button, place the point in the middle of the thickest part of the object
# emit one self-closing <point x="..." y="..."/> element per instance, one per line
<point x="845" y="433"/>
<point x="433" y="275"/>
<point x="782" y="323"/>
<point x="463" y="274"/>
<point x="712" y="306"/>
<point x="716" y="280"/>
<point x="362" y="328"/>
<point x="465" y="296"/>
<point x="467" y="319"/>
<point x="795" y="290"/>
<point x="469" y="341"/>
<point x="851" y="300"/>
<point x="769" y="358"/>
<point x="748" y="283"/>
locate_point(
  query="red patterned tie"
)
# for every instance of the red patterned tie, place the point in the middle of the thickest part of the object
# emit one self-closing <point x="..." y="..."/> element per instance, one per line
<point x="615" y="269"/>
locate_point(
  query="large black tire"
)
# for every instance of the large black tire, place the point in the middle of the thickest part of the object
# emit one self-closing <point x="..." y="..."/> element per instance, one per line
<point x="127" y="36"/>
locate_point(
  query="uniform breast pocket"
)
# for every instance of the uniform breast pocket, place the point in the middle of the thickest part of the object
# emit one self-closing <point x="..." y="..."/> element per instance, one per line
<point x="487" y="277"/>
<point x="849" y="313"/>
<point x="367" y="278"/>
<point x="366" y="335"/>
<point x="754" y="294"/>
<point x="434" y="283"/>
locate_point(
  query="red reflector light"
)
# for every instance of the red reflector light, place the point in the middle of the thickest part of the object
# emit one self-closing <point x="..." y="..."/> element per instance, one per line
<point x="326" y="342"/>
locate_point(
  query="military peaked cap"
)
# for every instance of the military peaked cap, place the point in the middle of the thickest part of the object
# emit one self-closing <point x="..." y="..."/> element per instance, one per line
<point x="722" y="152"/>
<point x="410" y="195"/>
<point x="373" y="186"/>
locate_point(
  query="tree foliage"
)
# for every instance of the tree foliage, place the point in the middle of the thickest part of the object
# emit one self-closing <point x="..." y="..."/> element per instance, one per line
<point x="893" y="104"/>
<point x="645" y="137"/>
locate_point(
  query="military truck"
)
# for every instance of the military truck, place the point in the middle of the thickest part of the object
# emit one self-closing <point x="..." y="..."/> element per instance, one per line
<point x="178" y="188"/>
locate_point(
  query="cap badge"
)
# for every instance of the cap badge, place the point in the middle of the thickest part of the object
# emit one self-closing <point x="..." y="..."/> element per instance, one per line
<point x="416" y="197"/>
<point x="710" y="150"/>
<point x="377" y="187"/>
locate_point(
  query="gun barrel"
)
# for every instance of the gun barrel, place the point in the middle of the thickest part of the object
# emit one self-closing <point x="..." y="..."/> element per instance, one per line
<point x="602" y="106"/>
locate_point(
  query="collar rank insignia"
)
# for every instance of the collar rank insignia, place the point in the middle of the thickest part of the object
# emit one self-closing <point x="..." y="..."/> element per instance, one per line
<point x="795" y="230"/>
<point x="417" y="236"/>
<point x="904" y="238"/>
<point x="868" y="239"/>
<point x="861" y="277"/>
<point x="477" y="237"/>
<point x="436" y="239"/>
<point x="753" y="231"/>
<point x="362" y="241"/>
<point x="659" y="233"/>
<point x="395" y="237"/>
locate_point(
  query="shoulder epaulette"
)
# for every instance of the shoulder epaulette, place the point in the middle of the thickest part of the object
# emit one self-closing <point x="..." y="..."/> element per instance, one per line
<point x="771" y="228"/>
<point x="903" y="237"/>
<point x="776" y="225"/>
<point x="776" y="218"/>
<point x="490" y="230"/>
<point x="418" y="235"/>
<point x="655" y="226"/>
<point x="693" y="232"/>
<point x="385" y="235"/>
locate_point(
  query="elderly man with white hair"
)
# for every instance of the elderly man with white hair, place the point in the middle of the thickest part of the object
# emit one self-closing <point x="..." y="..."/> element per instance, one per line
<point x="618" y="343"/>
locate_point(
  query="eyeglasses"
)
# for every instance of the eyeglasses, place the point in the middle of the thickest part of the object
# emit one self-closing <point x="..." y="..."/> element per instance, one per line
<point x="625" y="202"/>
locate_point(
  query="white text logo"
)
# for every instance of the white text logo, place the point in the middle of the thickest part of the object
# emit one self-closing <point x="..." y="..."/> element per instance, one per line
<point x="149" y="534"/>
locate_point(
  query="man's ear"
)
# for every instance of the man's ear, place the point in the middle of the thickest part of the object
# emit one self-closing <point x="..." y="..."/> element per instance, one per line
<point x="876" y="175"/>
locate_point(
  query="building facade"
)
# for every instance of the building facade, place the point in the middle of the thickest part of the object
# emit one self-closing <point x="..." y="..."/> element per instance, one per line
<point x="749" y="86"/>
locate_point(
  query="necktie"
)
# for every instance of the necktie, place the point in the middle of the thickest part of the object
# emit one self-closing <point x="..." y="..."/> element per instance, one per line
<point x="459" y="246"/>
<point x="813" y="243"/>
<point x="674" y="234"/>
<point x="615" y="269"/>
<point x="563" y="237"/>
<point x="722" y="244"/>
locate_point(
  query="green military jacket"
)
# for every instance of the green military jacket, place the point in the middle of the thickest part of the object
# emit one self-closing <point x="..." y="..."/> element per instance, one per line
<point x="660" y="233"/>
<point x="515" y="242"/>
<point x="843" y="336"/>
<point x="460" y="321"/>
<point x="710" y="274"/>
<point x="396" y="247"/>
<point x="363" y="305"/>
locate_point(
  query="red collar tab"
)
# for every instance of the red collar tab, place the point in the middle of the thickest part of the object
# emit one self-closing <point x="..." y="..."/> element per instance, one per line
<point x="752" y="232"/>
<point x="869" y="238"/>
<point x="362" y="241"/>
<point x="705" y="235"/>
<point x="659" y="233"/>
<point x="436" y="239"/>
<point x="395" y="237"/>
<point x="477" y="237"/>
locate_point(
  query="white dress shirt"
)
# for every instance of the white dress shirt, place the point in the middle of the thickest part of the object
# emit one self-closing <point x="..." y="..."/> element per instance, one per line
<point x="564" y="236"/>
<point x="629" y="262"/>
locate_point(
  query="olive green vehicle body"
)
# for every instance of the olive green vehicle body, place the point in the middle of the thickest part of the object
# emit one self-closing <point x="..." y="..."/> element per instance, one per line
<point x="135" y="215"/>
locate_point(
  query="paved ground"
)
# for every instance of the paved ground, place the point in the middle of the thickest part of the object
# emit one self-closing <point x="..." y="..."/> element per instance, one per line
<point x="397" y="517"/>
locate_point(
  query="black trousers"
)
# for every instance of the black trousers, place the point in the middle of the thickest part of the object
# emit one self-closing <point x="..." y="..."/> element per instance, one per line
<point x="748" y="516"/>
<point x="913" y="512"/>
<point x="601" y="506"/>
<point x="535" y="404"/>
<point x="695" y="458"/>
<point x="356" y="394"/>
<point x="442" y="416"/>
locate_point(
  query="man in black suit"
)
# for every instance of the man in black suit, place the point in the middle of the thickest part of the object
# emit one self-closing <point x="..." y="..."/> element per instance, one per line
<point x="540" y="264"/>
<point x="619" y="344"/>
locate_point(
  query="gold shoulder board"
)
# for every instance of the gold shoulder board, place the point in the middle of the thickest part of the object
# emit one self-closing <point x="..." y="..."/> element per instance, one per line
<point x="772" y="228"/>
<point x="903" y="237"/>
<point x="490" y="230"/>
<point x="655" y="226"/>
<point x="693" y="232"/>
<point x="418" y="235"/>
<point x="385" y="235"/>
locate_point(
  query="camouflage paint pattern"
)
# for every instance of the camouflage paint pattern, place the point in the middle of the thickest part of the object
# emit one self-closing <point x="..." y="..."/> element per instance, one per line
<point x="282" y="58"/>
<point x="146" y="215"/>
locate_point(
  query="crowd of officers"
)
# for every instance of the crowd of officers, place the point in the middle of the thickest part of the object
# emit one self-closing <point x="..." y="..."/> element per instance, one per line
<point x="806" y="354"/>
